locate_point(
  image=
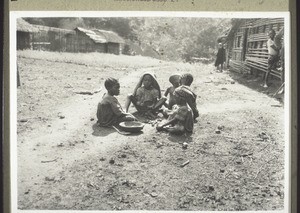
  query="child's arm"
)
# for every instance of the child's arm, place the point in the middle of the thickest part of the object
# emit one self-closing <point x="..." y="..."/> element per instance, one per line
<point x="167" y="92"/>
<point x="271" y="44"/>
<point x="116" y="108"/>
<point x="161" y="127"/>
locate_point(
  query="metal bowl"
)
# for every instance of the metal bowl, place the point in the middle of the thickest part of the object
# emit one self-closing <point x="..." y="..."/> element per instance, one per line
<point x="131" y="126"/>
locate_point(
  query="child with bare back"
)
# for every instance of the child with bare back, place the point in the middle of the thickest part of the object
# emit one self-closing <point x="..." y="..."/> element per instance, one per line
<point x="186" y="80"/>
<point x="175" y="81"/>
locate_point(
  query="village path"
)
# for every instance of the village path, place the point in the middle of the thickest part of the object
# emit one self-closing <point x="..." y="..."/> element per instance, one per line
<point x="47" y="152"/>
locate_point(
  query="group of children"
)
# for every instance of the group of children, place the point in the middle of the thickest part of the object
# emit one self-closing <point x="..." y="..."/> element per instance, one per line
<point x="178" y="104"/>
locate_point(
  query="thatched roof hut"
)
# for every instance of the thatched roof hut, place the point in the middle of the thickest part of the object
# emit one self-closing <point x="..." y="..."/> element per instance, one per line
<point x="89" y="40"/>
<point x="102" y="36"/>
<point x="24" y="26"/>
<point x="54" y="29"/>
<point x="24" y="34"/>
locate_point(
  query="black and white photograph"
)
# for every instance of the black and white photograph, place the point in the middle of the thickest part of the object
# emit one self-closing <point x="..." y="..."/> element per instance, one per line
<point x="152" y="111"/>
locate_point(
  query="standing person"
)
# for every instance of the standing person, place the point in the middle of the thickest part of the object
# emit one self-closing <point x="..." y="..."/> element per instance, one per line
<point x="221" y="57"/>
<point x="280" y="44"/>
<point x="109" y="111"/>
<point x="273" y="58"/>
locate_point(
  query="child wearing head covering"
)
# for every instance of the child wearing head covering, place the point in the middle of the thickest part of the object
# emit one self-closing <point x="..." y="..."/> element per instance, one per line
<point x="147" y="96"/>
<point x="175" y="81"/>
<point x="181" y="118"/>
<point x="109" y="111"/>
<point x="186" y="81"/>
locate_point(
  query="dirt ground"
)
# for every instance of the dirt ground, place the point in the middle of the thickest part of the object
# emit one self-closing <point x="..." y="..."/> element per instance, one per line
<point x="65" y="161"/>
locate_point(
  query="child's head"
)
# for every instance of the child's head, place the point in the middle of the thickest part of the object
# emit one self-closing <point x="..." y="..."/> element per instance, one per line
<point x="186" y="79"/>
<point x="271" y="33"/>
<point x="180" y="96"/>
<point x="147" y="81"/>
<point x="112" y="86"/>
<point x="175" y="80"/>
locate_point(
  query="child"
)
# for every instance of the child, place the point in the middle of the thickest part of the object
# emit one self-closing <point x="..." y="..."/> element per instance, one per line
<point x="147" y="96"/>
<point x="109" y="110"/>
<point x="186" y="81"/>
<point x="220" y="57"/>
<point x="181" y="118"/>
<point x="175" y="81"/>
<point x="273" y="58"/>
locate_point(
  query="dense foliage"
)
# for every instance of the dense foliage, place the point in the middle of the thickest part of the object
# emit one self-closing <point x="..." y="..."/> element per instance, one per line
<point x="166" y="38"/>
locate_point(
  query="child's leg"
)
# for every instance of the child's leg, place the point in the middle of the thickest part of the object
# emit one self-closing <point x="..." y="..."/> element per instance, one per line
<point x="177" y="129"/>
<point x="131" y="99"/>
<point x="128" y="102"/>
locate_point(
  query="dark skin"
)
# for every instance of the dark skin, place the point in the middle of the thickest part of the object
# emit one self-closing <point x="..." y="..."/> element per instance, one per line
<point x="160" y="127"/>
<point x="115" y="91"/>
<point x="175" y="85"/>
<point x="147" y="82"/>
<point x="271" y="36"/>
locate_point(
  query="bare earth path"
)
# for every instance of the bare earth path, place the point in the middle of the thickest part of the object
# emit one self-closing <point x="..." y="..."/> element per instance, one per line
<point x="235" y="155"/>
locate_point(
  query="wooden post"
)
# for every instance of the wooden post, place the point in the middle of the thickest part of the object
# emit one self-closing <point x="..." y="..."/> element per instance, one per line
<point x="18" y="77"/>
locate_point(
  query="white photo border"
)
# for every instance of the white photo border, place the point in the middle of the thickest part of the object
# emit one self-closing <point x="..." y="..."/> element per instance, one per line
<point x="14" y="15"/>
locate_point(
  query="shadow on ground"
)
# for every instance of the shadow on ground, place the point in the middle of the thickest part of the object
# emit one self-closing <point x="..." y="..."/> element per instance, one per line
<point x="105" y="131"/>
<point x="102" y="131"/>
<point x="255" y="81"/>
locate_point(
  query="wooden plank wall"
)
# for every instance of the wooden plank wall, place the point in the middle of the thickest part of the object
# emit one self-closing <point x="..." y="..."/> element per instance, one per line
<point x="257" y="51"/>
<point x="254" y="54"/>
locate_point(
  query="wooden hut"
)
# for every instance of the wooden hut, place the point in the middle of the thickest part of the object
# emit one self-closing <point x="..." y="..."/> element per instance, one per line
<point x="24" y="34"/>
<point x="247" y="45"/>
<point x="51" y="38"/>
<point x="95" y="40"/>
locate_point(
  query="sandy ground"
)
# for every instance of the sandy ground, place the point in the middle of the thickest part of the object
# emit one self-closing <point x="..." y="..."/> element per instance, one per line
<point x="65" y="161"/>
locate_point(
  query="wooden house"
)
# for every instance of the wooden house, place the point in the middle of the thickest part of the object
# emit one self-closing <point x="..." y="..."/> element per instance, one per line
<point x="50" y="38"/>
<point x="25" y="33"/>
<point x="95" y="40"/>
<point x="247" y="45"/>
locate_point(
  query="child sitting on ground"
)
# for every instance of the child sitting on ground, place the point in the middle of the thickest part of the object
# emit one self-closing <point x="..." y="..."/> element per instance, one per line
<point x="109" y="111"/>
<point x="181" y="118"/>
<point x="186" y="81"/>
<point x="146" y="97"/>
<point x="175" y="81"/>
